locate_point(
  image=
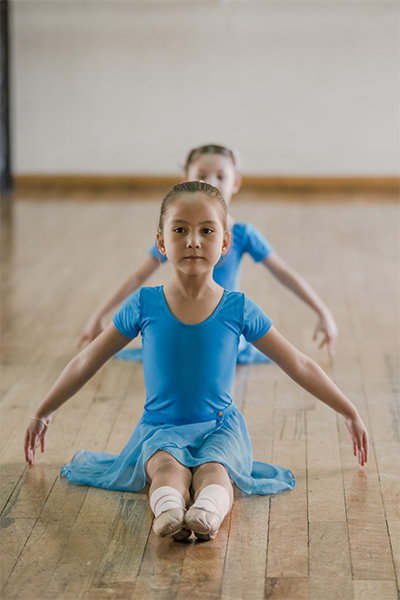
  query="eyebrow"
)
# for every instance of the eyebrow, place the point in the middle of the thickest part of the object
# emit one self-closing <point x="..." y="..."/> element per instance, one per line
<point x="202" y="223"/>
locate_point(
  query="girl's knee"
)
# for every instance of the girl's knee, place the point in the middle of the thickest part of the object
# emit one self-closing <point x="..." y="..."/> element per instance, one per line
<point x="211" y="473"/>
<point x="211" y="468"/>
<point x="163" y="461"/>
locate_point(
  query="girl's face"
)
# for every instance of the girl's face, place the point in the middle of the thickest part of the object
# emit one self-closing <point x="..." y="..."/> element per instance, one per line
<point x="193" y="237"/>
<point x="217" y="170"/>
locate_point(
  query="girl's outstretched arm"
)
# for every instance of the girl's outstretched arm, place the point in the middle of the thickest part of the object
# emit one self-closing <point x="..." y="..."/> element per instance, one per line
<point x="295" y="282"/>
<point x="96" y="323"/>
<point x="312" y="378"/>
<point x="78" y="372"/>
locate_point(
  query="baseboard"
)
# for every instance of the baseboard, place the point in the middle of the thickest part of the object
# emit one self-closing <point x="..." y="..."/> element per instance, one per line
<point x="88" y="182"/>
<point x="323" y="184"/>
<point x="42" y="183"/>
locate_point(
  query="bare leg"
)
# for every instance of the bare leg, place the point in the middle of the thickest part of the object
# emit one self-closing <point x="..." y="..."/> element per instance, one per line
<point x="163" y="469"/>
<point x="213" y="498"/>
<point x="208" y="474"/>
<point x="169" y="495"/>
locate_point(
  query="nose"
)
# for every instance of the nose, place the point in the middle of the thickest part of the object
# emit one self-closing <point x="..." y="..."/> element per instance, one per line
<point x="193" y="241"/>
<point x="211" y="180"/>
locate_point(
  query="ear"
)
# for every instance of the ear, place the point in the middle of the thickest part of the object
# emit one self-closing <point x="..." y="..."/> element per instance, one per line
<point x="160" y="244"/>
<point x="226" y="242"/>
<point x="237" y="185"/>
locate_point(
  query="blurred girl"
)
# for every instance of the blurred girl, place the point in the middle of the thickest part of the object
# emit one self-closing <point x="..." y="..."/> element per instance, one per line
<point x="217" y="166"/>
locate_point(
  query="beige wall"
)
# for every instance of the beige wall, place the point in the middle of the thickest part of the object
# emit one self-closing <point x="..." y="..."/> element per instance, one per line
<point x="125" y="87"/>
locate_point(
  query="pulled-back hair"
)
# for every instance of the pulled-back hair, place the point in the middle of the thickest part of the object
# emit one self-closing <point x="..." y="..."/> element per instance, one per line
<point x="211" y="149"/>
<point x="193" y="187"/>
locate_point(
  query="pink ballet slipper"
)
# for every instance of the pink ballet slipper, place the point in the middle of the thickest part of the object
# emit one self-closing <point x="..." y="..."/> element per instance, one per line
<point x="171" y="524"/>
<point x="203" y="523"/>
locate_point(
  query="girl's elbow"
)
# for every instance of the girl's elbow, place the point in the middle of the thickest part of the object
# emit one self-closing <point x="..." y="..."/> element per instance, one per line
<point x="300" y="366"/>
<point x="80" y="364"/>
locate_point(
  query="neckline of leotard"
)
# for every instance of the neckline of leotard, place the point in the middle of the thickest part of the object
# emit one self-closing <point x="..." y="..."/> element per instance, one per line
<point x="209" y="318"/>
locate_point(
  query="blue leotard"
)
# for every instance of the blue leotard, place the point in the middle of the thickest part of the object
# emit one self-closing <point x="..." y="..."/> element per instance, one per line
<point x="189" y="411"/>
<point x="245" y="239"/>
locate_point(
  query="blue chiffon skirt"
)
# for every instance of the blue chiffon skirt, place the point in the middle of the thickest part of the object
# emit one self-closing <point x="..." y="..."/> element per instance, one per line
<point x="247" y="354"/>
<point x="224" y="440"/>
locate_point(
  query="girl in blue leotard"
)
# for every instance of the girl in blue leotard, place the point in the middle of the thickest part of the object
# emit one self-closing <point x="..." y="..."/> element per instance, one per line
<point x="218" y="166"/>
<point x="191" y="438"/>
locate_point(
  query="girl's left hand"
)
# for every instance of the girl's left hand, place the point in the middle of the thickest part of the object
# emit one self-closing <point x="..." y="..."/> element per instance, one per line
<point x="327" y="326"/>
<point x="35" y="435"/>
<point x="359" y="436"/>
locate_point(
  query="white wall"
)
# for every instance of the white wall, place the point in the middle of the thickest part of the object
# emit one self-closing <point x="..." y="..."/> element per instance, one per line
<point x="126" y="87"/>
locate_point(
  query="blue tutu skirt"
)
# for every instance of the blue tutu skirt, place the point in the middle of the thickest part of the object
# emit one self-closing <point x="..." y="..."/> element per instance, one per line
<point x="247" y="354"/>
<point x="224" y="440"/>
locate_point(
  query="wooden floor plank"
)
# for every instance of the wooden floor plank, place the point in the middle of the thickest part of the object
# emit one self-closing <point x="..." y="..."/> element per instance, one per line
<point x="373" y="589"/>
<point x="285" y="589"/>
<point x="14" y="534"/>
<point x="288" y="518"/>
<point x="38" y="481"/>
<point x="60" y="438"/>
<point x="98" y="506"/>
<point x="384" y="411"/>
<point x="159" y="575"/>
<point x="330" y="569"/>
<point x="244" y="572"/>
<point x="371" y="555"/>
<point x="325" y="486"/>
<point x="120" y="563"/>
<point x="81" y="555"/>
<point x="203" y="567"/>
<point x="361" y="484"/>
<point x="394" y="534"/>
<point x="388" y="466"/>
<point x="32" y="573"/>
<point x="330" y="589"/>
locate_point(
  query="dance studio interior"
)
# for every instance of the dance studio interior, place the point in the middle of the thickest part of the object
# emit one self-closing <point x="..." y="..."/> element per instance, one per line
<point x="102" y="102"/>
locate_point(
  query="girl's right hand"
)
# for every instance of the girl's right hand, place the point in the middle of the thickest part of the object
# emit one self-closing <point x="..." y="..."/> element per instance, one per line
<point x="94" y="327"/>
<point x="35" y="435"/>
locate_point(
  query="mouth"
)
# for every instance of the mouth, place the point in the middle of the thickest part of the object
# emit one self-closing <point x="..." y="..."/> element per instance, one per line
<point x="193" y="258"/>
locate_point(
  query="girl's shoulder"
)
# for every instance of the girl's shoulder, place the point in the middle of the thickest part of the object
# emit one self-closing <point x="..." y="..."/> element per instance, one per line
<point x="242" y="310"/>
<point x="145" y="302"/>
<point x="131" y="315"/>
<point x="152" y="296"/>
<point x="144" y="295"/>
<point x="240" y="299"/>
<point x="233" y="299"/>
<point x="247" y="238"/>
<point x="151" y="291"/>
<point x="242" y="228"/>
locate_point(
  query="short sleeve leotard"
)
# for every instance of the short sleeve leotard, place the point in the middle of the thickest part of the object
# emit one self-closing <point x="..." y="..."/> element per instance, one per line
<point x="189" y="411"/>
<point x="246" y="239"/>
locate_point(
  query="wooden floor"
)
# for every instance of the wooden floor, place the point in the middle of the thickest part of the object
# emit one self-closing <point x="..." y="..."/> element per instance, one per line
<point x="335" y="536"/>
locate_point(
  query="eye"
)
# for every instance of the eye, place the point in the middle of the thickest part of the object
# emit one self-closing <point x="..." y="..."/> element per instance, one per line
<point x="207" y="230"/>
<point x="221" y="177"/>
<point x="178" y="230"/>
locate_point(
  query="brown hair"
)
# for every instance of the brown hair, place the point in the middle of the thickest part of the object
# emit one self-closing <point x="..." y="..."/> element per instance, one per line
<point x="210" y="149"/>
<point x="193" y="187"/>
